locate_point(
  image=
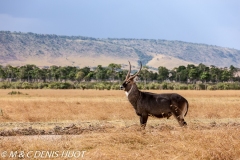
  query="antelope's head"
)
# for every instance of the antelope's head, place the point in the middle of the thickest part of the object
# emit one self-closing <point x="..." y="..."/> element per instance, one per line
<point x="129" y="81"/>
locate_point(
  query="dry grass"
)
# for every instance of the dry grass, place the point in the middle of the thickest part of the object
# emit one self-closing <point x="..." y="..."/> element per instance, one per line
<point x="113" y="128"/>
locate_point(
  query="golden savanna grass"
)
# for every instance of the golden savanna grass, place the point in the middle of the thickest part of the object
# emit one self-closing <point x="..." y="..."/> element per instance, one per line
<point x="113" y="127"/>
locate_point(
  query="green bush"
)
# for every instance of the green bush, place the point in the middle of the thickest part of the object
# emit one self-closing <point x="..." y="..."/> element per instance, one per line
<point x="142" y="86"/>
<point x="116" y="86"/>
<point x="26" y="85"/>
<point x="211" y="87"/>
<point x="3" y="85"/>
<point x="170" y="86"/>
<point x="154" y="86"/>
<point x="191" y="87"/>
<point x="183" y="87"/>
<point x="42" y="85"/>
<point x="17" y="85"/>
<point x="34" y="86"/>
<point x="220" y="86"/>
<point x="82" y="86"/>
<point x="164" y="86"/>
<point x="234" y="86"/>
<point x="54" y="85"/>
<point x="200" y="86"/>
<point x="99" y="86"/>
<point x="66" y="86"/>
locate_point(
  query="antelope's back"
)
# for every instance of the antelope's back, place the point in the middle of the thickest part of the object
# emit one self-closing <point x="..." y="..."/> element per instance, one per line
<point x="178" y="101"/>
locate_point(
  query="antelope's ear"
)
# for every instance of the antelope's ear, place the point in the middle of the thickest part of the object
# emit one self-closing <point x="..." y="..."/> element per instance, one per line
<point x="134" y="78"/>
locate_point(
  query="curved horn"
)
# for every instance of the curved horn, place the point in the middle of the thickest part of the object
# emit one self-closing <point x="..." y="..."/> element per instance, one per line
<point x="129" y="71"/>
<point x="137" y="72"/>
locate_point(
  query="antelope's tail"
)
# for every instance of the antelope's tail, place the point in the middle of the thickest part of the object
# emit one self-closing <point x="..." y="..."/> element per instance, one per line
<point x="186" y="107"/>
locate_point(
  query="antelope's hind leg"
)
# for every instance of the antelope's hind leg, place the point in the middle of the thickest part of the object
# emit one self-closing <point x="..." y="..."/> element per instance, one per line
<point x="178" y="115"/>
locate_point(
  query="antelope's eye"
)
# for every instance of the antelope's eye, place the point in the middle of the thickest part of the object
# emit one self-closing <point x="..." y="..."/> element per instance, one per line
<point x="125" y="83"/>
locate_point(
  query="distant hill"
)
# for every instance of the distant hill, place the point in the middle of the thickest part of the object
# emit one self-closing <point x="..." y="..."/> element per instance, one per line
<point x="18" y="48"/>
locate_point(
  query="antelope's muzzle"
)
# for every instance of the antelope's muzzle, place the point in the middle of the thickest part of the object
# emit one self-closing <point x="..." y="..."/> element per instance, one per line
<point x="121" y="87"/>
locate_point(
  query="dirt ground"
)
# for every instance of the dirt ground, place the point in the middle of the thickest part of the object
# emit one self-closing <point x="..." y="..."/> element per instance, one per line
<point x="76" y="124"/>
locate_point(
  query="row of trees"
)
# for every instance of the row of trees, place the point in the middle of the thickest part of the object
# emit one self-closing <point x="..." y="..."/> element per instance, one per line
<point x="32" y="73"/>
<point x="114" y="72"/>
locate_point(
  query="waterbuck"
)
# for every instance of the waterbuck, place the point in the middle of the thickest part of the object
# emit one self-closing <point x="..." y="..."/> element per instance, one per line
<point x="152" y="104"/>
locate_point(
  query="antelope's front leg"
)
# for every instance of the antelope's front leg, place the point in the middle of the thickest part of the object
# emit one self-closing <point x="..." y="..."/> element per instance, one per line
<point x="143" y="120"/>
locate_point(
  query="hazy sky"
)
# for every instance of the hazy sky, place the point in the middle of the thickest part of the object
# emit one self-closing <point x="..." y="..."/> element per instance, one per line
<point x="214" y="22"/>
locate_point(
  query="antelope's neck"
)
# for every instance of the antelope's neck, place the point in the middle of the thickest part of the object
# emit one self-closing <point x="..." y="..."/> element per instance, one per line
<point x="133" y="95"/>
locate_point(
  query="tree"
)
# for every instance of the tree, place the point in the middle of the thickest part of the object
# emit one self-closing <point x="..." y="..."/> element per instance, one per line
<point x="233" y="70"/>
<point x="37" y="73"/>
<point x="163" y="73"/>
<point x="28" y="72"/>
<point x="225" y="75"/>
<point x="112" y="69"/>
<point x="80" y="76"/>
<point x="201" y="67"/>
<point x="183" y="75"/>
<point x="100" y="73"/>
<point x="2" y="73"/>
<point x="145" y="74"/>
<point x="180" y="68"/>
<point x="10" y="72"/>
<point x="71" y="72"/>
<point x="193" y="74"/>
<point x="89" y="76"/>
<point x="205" y="76"/>
<point x="53" y="72"/>
<point x="214" y="73"/>
<point x="86" y="70"/>
<point x="44" y="74"/>
<point x="21" y="73"/>
<point x="63" y="73"/>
